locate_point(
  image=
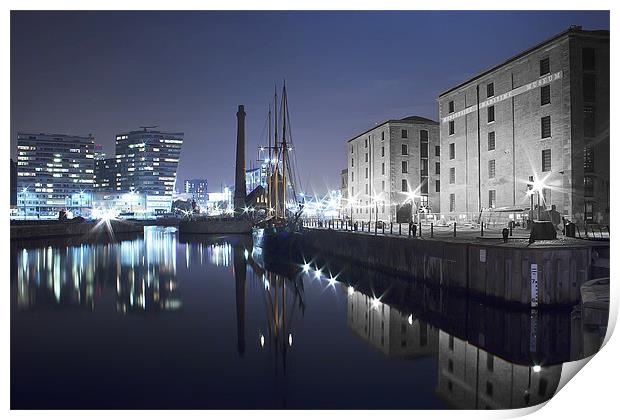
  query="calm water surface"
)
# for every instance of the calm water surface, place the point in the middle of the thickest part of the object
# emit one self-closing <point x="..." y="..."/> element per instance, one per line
<point x="162" y="321"/>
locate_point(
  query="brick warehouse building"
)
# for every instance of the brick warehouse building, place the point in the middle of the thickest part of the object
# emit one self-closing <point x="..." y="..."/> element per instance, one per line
<point x="391" y="165"/>
<point x="534" y="127"/>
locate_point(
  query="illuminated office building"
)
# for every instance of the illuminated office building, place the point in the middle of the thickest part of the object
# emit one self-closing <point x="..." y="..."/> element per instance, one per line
<point x="197" y="190"/>
<point x="54" y="172"/>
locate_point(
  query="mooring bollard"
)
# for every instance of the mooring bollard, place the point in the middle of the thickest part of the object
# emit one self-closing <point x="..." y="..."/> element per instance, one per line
<point x="420" y="229"/>
<point x="455" y="229"/>
<point x="383" y="228"/>
<point x="510" y="229"/>
<point x="431" y="229"/>
<point x="481" y="228"/>
<point x="375" y="228"/>
<point x="399" y="229"/>
<point x="409" y="234"/>
<point x="391" y="225"/>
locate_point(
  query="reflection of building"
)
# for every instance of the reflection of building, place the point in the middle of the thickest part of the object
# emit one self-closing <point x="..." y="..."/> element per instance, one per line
<point x="471" y="378"/>
<point x="54" y="172"/>
<point x="391" y="164"/>
<point x="197" y="190"/>
<point x="147" y="280"/>
<point x="142" y="271"/>
<point x="51" y="277"/>
<point x="541" y="115"/>
<point x="394" y="333"/>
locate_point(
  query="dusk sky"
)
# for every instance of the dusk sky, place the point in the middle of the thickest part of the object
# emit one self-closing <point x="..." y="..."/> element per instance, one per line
<point x="108" y="72"/>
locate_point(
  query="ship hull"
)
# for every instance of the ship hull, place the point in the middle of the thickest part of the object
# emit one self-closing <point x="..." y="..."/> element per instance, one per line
<point x="274" y="244"/>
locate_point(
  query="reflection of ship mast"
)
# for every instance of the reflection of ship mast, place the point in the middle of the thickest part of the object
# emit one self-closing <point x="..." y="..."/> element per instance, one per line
<point x="279" y="290"/>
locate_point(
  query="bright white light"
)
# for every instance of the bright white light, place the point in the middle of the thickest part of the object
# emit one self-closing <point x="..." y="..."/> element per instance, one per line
<point x="290" y="340"/>
<point x="375" y="303"/>
<point x="246" y="254"/>
<point x="317" y="273"/>
<point x="350" y="290"/>
<point x="306" y="268"/>
<point x="536" y="368"/>
<point x="410" y="319"/>
<point x="332" y="281"/>
<point x="262" y="340"/>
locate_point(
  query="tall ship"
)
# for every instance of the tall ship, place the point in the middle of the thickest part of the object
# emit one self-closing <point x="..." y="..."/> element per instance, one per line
<point x="273" y="234"/>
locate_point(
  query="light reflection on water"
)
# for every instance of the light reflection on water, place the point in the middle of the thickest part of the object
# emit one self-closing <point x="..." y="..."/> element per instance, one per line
<point x="293" y="337"/>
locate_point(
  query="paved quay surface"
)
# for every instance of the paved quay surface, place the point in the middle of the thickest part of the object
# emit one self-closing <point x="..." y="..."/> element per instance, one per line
<point x="492" y="236"/>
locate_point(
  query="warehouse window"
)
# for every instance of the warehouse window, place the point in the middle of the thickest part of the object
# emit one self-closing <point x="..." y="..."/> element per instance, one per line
<point x="544" y="66"/>
<point x="437" y="186"/>
<point x="588" y="59"/>
<point x="452" y="175"/>
<point x="492" y="140"/>
<point x="404" y="150"/>
<point x="589" y="87"/>
<point x="423" y="135"/>
<point x="366" y="143"/>
<point x="451" y="107"/>
<point x="351" y="162"/>
<point x="491" y="114"/>
<point x="437" y="151"/>
<point x="546" y="160"/>
<point x="405" y="166"/>
<point x="492" y="195"/>
<point x="403" y="185"/>
<point x="589" y="211"/>
<point x="588" y="186"/>
<point x="492" y="168"/>
<point x="490" y="90"/>
<point x="452" y="205"/>
<point x="366" y="157"/>
<point x="451" y="150"/>
<point x="383" y="168"/>
<point x="424" y="150"/>
<point x="589" y="126"/>
<point x="382" y="151"/>
<point x="382" y="135"/>
<point x="403" y="134"/>
<point x="588" y="160"/>
<point x="437" y="168"/>
<point x="545" y="127"/>
<point x="545" y="95"/>
<point x="451" y="127"/>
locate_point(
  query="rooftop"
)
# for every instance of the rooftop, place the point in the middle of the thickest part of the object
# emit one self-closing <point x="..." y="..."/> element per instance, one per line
<point x="414" y="119"/>
<point x="571" y="31"/>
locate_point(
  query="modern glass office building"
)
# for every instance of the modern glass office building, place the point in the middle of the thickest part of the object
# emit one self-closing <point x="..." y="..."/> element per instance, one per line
<point x="146" y="164"/>
<point x="54" y="172"/>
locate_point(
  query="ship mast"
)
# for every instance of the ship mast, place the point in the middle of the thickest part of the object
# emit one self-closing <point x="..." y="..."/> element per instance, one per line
<point x="284" y="149"/>
<point x="269" y="174"/>
<point x="275" y="150"/>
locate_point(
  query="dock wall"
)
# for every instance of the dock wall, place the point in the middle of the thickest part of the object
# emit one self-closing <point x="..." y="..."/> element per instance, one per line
<point x="533" y="276"/>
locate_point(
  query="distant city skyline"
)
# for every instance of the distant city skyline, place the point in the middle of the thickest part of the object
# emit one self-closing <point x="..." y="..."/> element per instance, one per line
<point x="187" y="71"/>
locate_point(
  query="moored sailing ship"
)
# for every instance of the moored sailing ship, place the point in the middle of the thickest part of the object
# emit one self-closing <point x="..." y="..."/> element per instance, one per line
<point x="273" y="236"/>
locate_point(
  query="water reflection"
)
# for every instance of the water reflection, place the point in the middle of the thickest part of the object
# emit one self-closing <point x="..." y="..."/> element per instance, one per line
<point x="143" y="272"/>
<point x="243" y="320"/>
